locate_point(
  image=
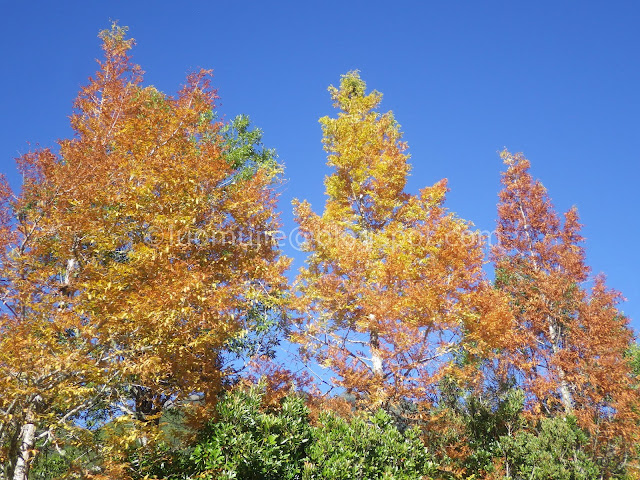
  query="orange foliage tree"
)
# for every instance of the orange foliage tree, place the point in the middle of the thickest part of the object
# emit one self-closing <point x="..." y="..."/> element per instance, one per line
<point x="570" y="339"/>
<point x="131" y="263"/>
<point x="393" y="287"/>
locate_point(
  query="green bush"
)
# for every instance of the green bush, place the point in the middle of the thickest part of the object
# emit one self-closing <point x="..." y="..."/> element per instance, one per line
<point x="251" y="441"/>
<point x="555" y="452"/>
<point x="365" y="448"/>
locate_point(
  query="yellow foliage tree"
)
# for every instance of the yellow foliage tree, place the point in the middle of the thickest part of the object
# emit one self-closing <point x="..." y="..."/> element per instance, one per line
<point x="130" y="264"/>
<point x="394" y="286"/>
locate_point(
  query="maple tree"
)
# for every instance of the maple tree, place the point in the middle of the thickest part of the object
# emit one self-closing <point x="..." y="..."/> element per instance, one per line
<point x="133" y="264"/>
<point x="570" y="340"/>
<point x="394" y="285"/>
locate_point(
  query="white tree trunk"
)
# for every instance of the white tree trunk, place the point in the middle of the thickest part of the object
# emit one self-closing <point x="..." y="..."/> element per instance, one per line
<point x="27" y="442"/>
<point x="376" y="358"/>
<point x="565" y="393"/>
<point x="374" y="344"/>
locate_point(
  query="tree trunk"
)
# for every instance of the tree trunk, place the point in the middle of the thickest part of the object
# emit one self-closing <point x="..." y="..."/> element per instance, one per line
<point x="563" y="387"/>
<point x="27" y="442"/>
<point x="374" y="343"/>
<point x="376" y="358"/>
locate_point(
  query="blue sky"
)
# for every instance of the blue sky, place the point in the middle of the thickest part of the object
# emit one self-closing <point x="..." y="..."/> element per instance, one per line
<point x="557" y="80"/>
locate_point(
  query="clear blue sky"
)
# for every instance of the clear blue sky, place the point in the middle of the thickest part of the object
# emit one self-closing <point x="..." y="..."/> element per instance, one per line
<point x="557" y="80"/>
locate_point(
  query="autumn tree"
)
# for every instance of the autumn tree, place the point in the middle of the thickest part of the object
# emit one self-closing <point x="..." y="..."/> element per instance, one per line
<point x="393" y="286"/>
<point x="133" y="264"/>
<point x="571" y="339"/>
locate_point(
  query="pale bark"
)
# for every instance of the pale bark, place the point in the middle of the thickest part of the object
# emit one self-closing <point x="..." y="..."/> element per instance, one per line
<point x="27" y="442"/>
<point x="377" y="391"/>
<point x="374" y="343"/>
<point x="72" y="266"/>
<point x="376" y="358"/>
<point x="565" y="393"/>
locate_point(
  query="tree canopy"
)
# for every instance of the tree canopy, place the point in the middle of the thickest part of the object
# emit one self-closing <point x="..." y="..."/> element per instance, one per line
<point x="144" y="294"/>
<point x="132" y="261"/>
